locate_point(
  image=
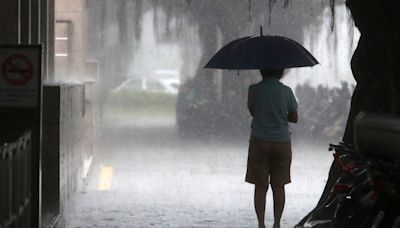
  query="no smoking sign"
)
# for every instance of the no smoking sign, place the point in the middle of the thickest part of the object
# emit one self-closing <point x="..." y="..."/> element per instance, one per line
<point x="20" y="76"/>
<point x="17" y="70"/>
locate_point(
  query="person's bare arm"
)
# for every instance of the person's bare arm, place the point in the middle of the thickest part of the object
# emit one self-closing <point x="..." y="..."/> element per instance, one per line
<point x="293" y="117"/>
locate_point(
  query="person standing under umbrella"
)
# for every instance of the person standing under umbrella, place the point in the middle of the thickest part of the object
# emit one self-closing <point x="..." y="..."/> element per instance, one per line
<point x="272" y="105"/>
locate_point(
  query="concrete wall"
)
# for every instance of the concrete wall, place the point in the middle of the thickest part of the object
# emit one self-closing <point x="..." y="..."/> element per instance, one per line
<point x="69" y="113"/>
<point x="68" y="109"/>
<point x="67" y="147"/>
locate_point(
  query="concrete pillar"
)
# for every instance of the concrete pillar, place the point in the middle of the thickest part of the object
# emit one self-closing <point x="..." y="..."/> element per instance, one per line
<point x="44" y="39"/>
<point x="35" y="22"/>
<point x="25" y="20"/>
<point x="46" y="14"/>
<point x="9" y="22"/>
<point x="50" y="35"/>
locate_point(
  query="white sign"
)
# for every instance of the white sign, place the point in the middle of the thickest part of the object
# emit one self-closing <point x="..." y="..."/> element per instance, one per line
<point x="20" y="78"/>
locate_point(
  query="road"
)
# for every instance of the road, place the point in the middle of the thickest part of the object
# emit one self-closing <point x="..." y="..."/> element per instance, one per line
<point x="146" y="176"/>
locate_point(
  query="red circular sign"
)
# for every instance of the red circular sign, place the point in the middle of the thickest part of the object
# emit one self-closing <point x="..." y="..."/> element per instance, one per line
<point x="17" y="69"/>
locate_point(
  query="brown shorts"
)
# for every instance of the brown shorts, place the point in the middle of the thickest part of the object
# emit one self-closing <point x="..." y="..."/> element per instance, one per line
<point x="268" y="160"/>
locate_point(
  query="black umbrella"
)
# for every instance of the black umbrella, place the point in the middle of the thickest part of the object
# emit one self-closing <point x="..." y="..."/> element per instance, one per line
<point x="261" y="52"/>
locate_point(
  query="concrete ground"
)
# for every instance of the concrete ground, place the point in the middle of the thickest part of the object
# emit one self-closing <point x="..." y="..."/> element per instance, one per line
<point x="146" y="176"/>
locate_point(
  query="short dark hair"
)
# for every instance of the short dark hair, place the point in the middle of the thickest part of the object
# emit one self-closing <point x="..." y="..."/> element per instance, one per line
<point x="276" y="73"/>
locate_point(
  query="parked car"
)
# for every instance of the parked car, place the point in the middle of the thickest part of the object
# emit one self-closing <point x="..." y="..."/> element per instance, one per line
<point x="169" y="86"/>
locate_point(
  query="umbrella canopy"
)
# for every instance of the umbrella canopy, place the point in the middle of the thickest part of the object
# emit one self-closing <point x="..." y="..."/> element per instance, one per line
<point x="261" y="52"/>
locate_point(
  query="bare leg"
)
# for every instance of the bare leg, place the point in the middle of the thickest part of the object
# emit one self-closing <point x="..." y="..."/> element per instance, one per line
<point x="260" y="193"/>
<point x="279" y="203"/>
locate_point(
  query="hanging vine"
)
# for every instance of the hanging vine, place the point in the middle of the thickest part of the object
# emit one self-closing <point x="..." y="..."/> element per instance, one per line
<point x="286" y="4"/>
<point x="250" y="19"/>
<point x="332" y="5"/>
<point x="271" y="4"/>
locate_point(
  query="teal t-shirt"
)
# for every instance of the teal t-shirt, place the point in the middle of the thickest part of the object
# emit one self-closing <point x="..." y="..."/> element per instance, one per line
<point x="269" y="102"/>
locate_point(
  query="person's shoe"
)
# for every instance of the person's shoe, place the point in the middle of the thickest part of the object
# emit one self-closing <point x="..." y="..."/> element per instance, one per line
<point x="277" y="225"/>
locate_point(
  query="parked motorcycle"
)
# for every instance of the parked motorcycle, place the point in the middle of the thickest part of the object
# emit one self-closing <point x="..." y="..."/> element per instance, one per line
<point x="377" y="137"/>
<point x="367" y="192"/>
<point x="351" y="181"/>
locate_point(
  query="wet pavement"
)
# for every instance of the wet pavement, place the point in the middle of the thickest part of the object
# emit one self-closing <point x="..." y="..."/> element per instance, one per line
<point x="146" y="176"/>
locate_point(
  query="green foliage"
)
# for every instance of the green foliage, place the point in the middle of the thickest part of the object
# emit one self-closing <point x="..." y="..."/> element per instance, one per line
<point x="142" y="104"/>
<point x="323" y="112"/>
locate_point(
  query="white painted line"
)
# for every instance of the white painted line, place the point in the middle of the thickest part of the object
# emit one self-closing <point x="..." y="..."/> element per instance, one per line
<point x="105" y="180"/>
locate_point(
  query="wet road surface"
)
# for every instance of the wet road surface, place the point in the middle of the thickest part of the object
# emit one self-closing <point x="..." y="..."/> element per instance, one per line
<point x="146" y="176"/>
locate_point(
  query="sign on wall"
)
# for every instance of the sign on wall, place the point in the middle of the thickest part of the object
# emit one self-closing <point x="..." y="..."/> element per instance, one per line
<point x="20" y="80"/>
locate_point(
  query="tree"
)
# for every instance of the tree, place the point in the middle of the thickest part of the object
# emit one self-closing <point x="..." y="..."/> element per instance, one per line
<point x="375" y="61"/>
<point x="225" y="21"/>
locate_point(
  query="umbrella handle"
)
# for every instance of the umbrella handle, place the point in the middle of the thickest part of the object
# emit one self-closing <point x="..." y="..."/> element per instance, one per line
<point x="261" y="32"/>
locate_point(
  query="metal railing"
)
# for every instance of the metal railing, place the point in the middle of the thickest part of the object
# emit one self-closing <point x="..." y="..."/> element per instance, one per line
<point x="15" y="182"/>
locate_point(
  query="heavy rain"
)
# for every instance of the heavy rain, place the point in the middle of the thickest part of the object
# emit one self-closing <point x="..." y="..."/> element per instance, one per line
<point x="173" y="139"/>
